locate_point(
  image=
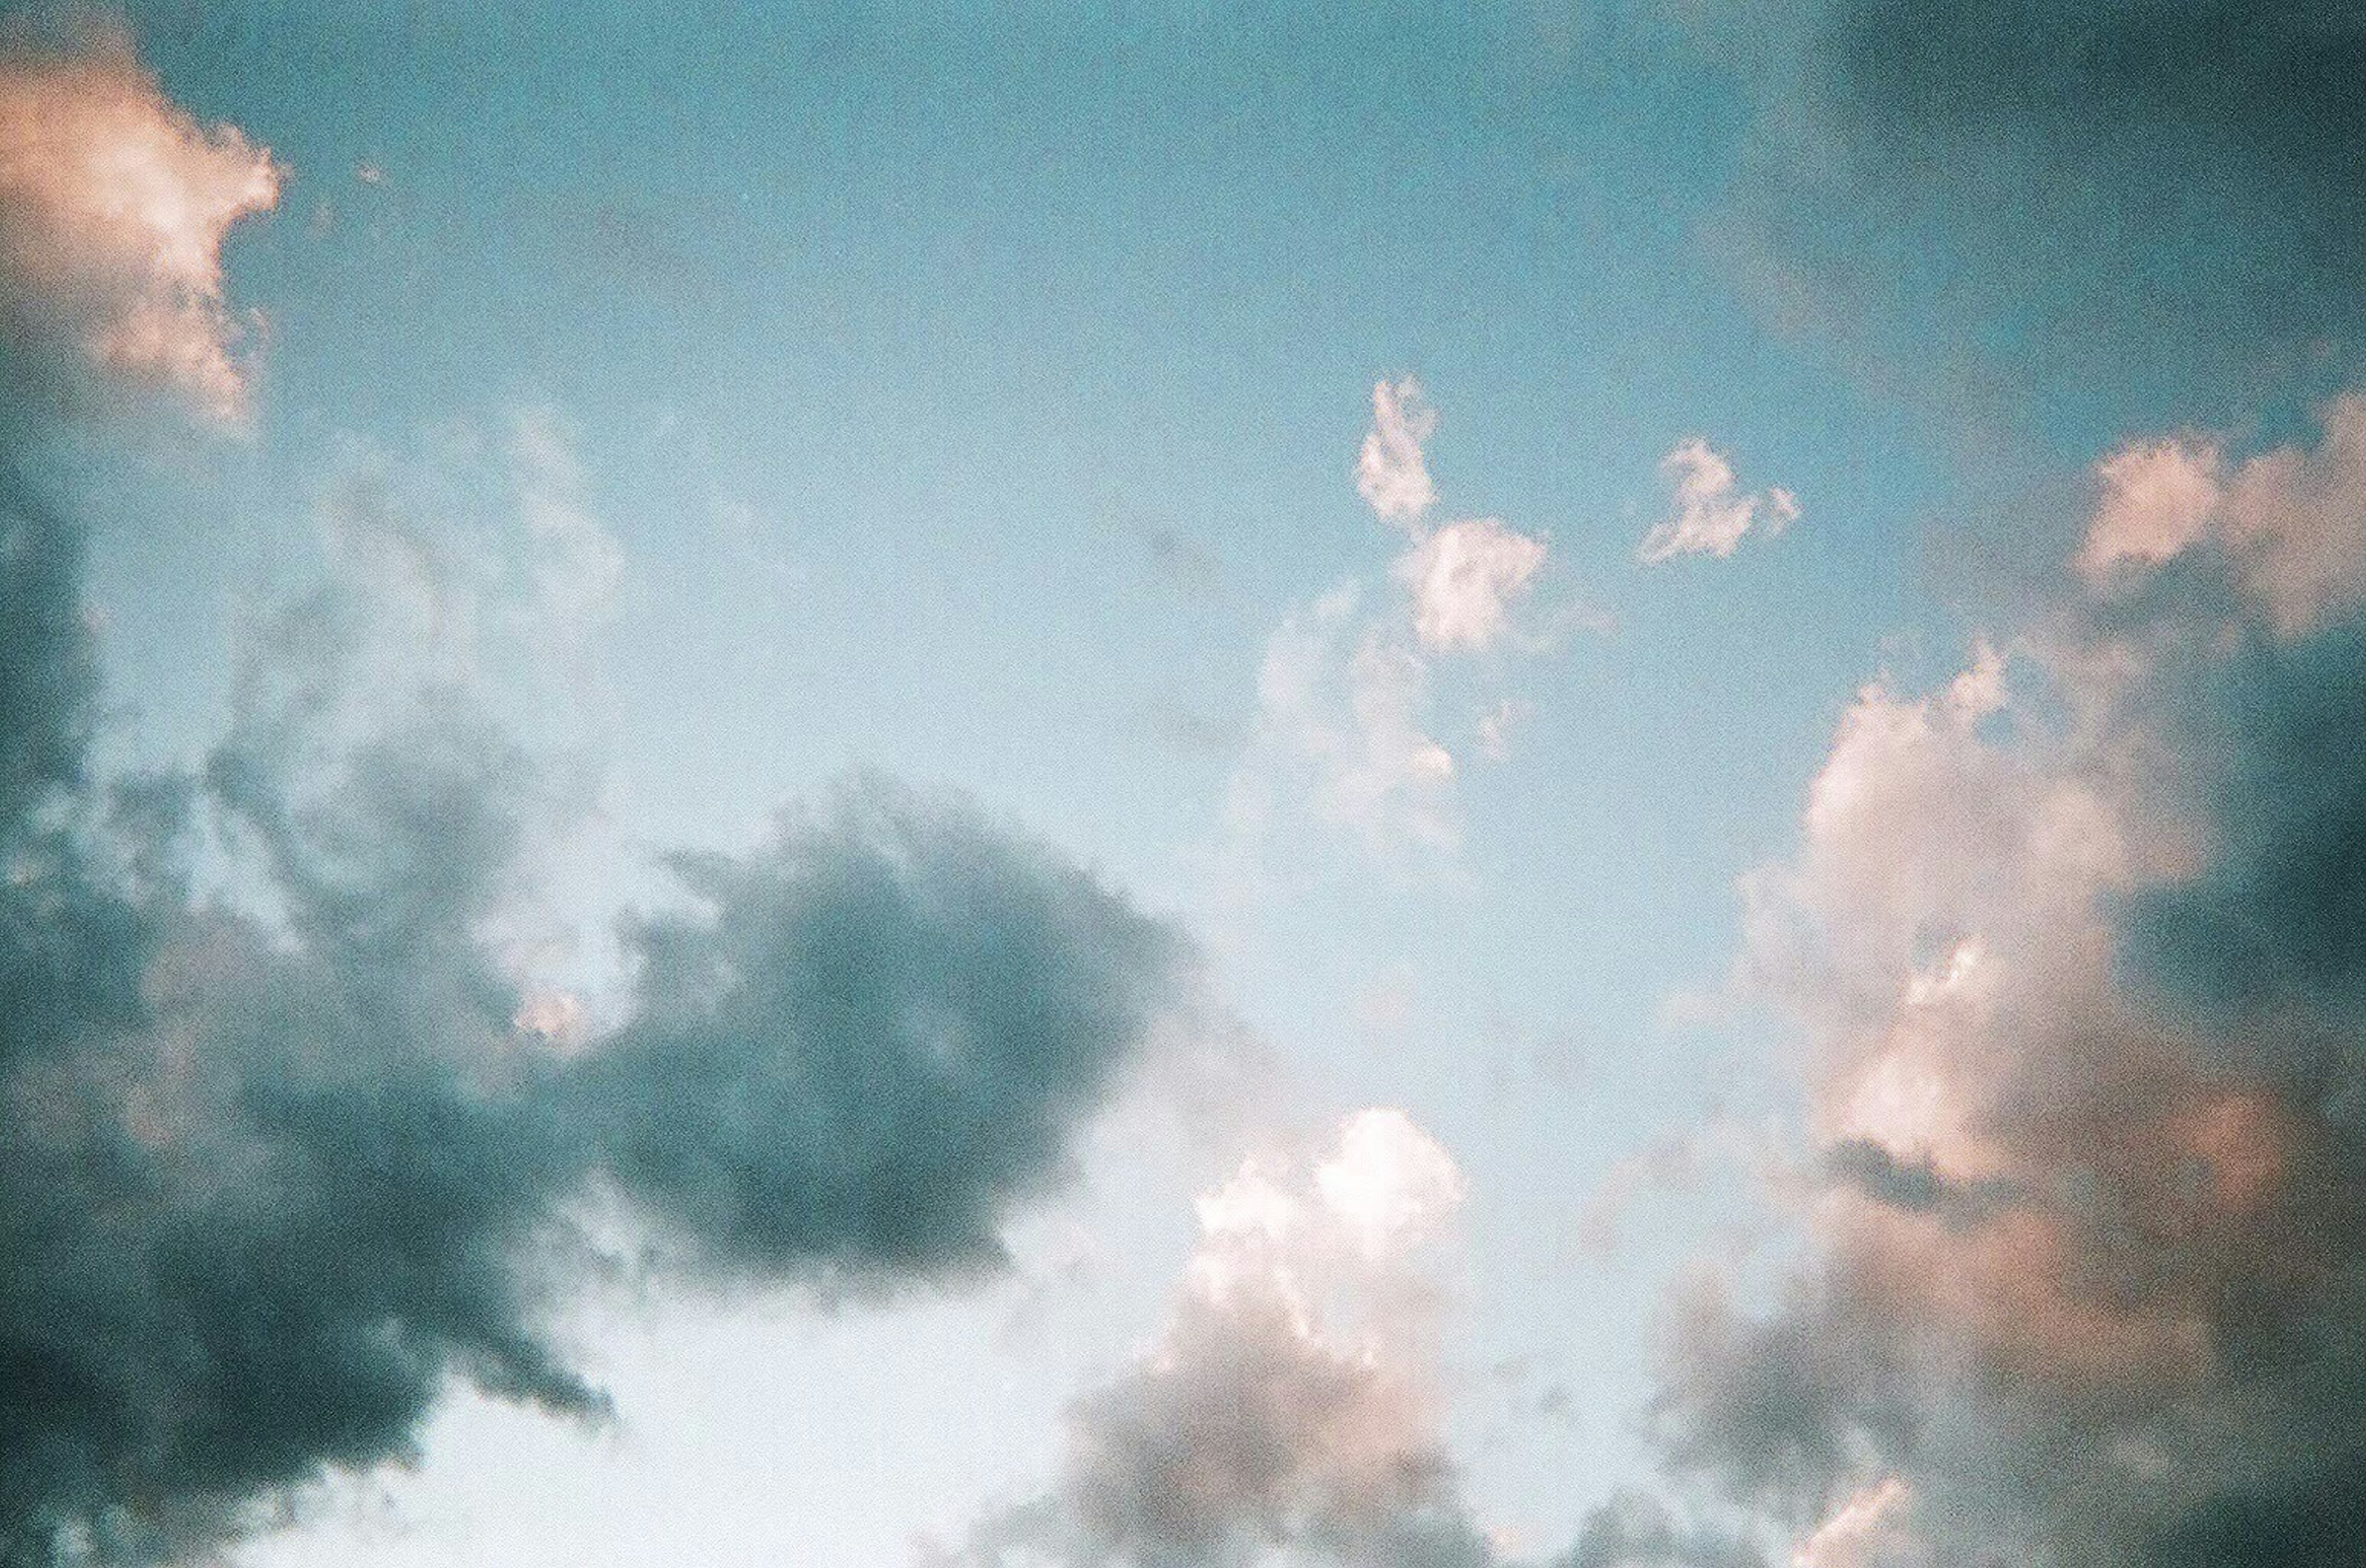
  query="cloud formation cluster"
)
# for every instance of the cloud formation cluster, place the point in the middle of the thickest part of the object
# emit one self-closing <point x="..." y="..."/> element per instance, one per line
<point x="2075" y="942"/>
<point x="280" y="1162"/>
<point x="1347" y="691"/>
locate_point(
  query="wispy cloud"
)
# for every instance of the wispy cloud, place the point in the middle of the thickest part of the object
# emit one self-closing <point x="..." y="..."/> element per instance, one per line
<point x="1392" y="472"/>
<point x="1345" y="724"/>
<point x="1711" y="512"/>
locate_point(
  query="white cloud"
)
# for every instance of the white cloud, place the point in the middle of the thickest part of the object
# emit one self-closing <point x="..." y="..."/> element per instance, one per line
<point x="114" y="204"/>
<point x="1496" y="725"/>
<point x="1712" y="513"/>
<point x="1464" y="578"/>
<point x="1390" y="472"/>
<point x="2158" y="498"/>
<point x="576" y="564"/>
<point x="1867" y="1530"/>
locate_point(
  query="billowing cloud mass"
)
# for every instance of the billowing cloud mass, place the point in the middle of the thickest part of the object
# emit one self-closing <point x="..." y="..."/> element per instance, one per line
<point x="1390" y="472"/>
<point x="280" y="1161"/>
<point x="2076" y="942"/>
<point x="114" y="205"/>
<point x="1712" y="512"/>
<point x="1289" y="1404"/>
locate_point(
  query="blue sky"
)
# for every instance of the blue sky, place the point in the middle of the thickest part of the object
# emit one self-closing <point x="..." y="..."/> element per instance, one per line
<point x="730" y="413"/>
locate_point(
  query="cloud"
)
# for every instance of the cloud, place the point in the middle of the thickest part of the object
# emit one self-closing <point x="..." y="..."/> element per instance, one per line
<point x="1391" y="473"/>
<point x="1464" y="578"/>
<point x="2073" y="943"/>
<point x="2157" y="500"/>
<point x="2289" y="517"/>
<point x="1635" y="1530"/>
<point x="1984" y="201"/>
<point x="278" y="1162"/>
<point x="1863" y="1533"/>
<point x="1344" y="692"/>
<point x="1341" y="725"/>
<point x="1290" y="1408"/>
<point x="1290" y="1403"/>
<point x="576" y="563"/>
<point x="1712" y="512"/>
<point x="114" y="205"/>
<point x="284" y="1155"/>
<point x="270" y="1182"/>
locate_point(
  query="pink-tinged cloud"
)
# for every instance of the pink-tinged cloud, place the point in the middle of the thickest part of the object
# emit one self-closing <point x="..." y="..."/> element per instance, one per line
<point x="2156" y="499"/>
<point x="2072" y="942"/>
<point x="1464" y="580"/>
<point x="1711" y="513"/>
<point x="2292" y="519"/>
<point x="1392" y="474"/>
<point x="1291" y="1401"/>
<point x="114" y="204"/>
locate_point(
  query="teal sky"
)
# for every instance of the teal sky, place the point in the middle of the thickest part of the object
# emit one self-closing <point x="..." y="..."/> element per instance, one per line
<point x="974" y="397"/>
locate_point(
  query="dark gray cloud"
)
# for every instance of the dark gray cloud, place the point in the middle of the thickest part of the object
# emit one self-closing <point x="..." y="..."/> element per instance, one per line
<point x="2132" y="209"/>
<point x="2276" y="917"/>
<point x="877" y="1040"/>
<point x="279" y="1163"/>
<point x="48" y="676"/>
<point x="1913" y="1182"/>
<point x="267" y="1187"/>
<point x="1633" y="1530"/>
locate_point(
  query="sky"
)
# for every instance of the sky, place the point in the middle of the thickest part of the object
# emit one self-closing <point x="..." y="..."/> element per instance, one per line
<point x="1183" y="787"/>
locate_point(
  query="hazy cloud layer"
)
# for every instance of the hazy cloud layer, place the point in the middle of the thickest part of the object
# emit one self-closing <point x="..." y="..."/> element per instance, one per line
<point x="1988" y="199"/>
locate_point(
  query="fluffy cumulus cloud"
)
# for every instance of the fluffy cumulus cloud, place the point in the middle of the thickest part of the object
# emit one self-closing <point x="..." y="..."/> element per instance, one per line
<point x="1288" y="1409"/>
<point x="1289" y="1405"/>
<point x="2075" y="942"/>
<point x="282" y="1157"/>
<point x="1711" y="513"/>
<point x="114" y="205"/>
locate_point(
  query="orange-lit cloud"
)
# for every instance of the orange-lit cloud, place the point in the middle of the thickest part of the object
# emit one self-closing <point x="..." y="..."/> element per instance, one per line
<point x="114" y="204"/>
